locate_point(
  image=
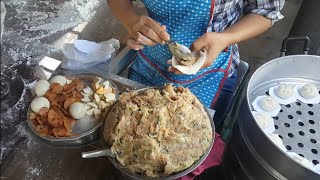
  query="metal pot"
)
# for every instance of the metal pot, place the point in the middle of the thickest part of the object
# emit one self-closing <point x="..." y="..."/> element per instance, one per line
<point x="125" y="171"/>
<point x="249" y="153"/>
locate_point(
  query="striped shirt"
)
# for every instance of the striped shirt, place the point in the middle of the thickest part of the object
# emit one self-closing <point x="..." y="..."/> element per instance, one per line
<point x="228" y="12"/>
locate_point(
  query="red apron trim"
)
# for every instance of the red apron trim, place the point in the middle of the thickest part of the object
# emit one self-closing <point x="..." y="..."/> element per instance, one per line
<point x="221" y="84"/>
<point x="211" y="12"/>
<point x="181" y="82"/>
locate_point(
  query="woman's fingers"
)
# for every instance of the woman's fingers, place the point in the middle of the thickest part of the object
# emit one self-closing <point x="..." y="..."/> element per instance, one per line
<point x="148" y="32"/>
<point x="144" y="40"/>
<point x="157" y="28"/>
<point x="174" y="70"/>
<point x="208" y="45"/>
<point x="134" y="44"/>
<point x="151" y="29"/>
<point x="199" y="44"/>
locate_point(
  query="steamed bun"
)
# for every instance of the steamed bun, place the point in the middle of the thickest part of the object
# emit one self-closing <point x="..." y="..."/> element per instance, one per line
<point x="268" y="104"/>
<point x="284" y="91"/>
<point x="263" y="120"/>
<point x="309" y="91"/>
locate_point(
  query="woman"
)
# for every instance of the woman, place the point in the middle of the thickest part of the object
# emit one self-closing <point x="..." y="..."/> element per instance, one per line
<point x="214" y="25"/>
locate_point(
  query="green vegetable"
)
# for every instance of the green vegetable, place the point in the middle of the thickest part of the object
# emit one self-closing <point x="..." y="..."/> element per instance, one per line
<point x="158" y="120"/>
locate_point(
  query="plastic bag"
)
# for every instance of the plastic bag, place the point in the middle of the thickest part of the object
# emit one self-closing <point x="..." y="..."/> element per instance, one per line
<point x="3" y="15"/>
<point x="82" y="54"/>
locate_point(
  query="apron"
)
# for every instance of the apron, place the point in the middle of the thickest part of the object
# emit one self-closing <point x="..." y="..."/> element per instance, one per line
<point x="186" y="21"/>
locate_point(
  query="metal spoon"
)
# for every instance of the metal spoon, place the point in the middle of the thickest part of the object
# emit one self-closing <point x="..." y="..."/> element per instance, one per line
<point x="180" y="51"/>
<point x="98" y="153"/>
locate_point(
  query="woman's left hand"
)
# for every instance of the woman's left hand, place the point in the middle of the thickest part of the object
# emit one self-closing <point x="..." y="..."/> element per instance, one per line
<point x="212" y="42"/>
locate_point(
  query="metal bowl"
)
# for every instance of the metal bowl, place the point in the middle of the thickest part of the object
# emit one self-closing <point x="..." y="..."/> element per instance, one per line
<point x="87" y="128"/>
<point x="130" y="174"/>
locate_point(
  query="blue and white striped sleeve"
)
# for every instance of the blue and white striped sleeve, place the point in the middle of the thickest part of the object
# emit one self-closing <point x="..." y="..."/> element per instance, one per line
<point x="267" y="8"/>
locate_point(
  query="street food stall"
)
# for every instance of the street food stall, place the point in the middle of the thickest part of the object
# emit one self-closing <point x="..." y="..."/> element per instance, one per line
<point x="282" y="145"/>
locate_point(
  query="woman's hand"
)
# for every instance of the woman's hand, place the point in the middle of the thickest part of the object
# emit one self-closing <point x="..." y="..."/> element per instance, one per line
<point x="145" y="31"/>
<point x="213" y="43"/>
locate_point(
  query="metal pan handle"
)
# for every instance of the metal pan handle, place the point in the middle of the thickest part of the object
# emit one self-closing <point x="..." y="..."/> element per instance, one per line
<point x="97" y="153"/>
<point x="306" y="40"/>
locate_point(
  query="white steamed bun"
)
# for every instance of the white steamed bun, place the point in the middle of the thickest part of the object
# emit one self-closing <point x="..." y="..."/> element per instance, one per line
<point x="263" y="120"/>
<point x="309" y="91"/>
<point x="268" y="104"/>
<point x="284" y="91"/>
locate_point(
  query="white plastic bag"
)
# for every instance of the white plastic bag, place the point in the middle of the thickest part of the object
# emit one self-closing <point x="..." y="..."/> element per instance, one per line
<point x="3" y="15"/>
<point x="82" y="54"/>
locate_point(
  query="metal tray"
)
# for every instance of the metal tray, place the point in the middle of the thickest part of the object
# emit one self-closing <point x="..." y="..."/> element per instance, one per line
<point x="293" y="124"/>
<point x="297" y="123"/>
<point x="88" y="127"/>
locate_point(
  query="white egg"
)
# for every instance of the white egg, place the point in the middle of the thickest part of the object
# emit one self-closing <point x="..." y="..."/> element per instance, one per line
<point x="42" y="86"/>
<point x="59" y="79"/>
<point x="268" y="104"/>
<point x="39" y="103"/>
<point x="309" y="91"/>
<point x="284" y="91"/>
<point x="77" y="110"/>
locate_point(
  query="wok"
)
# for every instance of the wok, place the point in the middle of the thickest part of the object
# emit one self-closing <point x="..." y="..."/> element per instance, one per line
<point x="112" y="158"/>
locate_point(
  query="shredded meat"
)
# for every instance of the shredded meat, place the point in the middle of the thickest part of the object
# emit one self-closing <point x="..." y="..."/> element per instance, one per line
<point x="158" y="131"/>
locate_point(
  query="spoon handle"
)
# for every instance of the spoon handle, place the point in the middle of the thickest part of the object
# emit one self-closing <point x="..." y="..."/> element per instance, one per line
<point x="97" y="153"/>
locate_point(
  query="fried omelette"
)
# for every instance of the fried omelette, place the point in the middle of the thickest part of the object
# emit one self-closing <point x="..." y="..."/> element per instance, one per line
<point x="158" y="131"/>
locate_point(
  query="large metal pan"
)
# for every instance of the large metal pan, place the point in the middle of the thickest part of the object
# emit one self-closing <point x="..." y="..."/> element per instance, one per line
<point x="111" y="157"/>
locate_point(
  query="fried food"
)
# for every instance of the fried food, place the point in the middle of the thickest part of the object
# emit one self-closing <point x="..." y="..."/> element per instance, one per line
<point x="158" y="131"/>
<point x="56" y="120"/>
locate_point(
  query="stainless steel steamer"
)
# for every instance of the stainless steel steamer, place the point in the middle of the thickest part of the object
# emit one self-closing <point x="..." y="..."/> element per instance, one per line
<point x="249" y="153"/>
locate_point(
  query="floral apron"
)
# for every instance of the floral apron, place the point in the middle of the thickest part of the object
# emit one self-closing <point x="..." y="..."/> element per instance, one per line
<point x="186" y="21"/>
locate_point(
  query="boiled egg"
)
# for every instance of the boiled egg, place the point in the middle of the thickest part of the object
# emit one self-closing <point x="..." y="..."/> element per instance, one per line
<point x="59" y="79"/>
<point x="42" y="86"/>
<point x="39" y="103"/>
<point x="77" y="110"/>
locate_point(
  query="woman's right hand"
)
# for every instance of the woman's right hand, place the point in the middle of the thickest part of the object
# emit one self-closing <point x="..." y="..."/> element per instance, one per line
<point x="146" y="31"/>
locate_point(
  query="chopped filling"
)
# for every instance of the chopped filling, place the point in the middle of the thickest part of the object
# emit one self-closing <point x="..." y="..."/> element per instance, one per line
<point x="188" y="63"/>
<point x="158" y="132"/>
